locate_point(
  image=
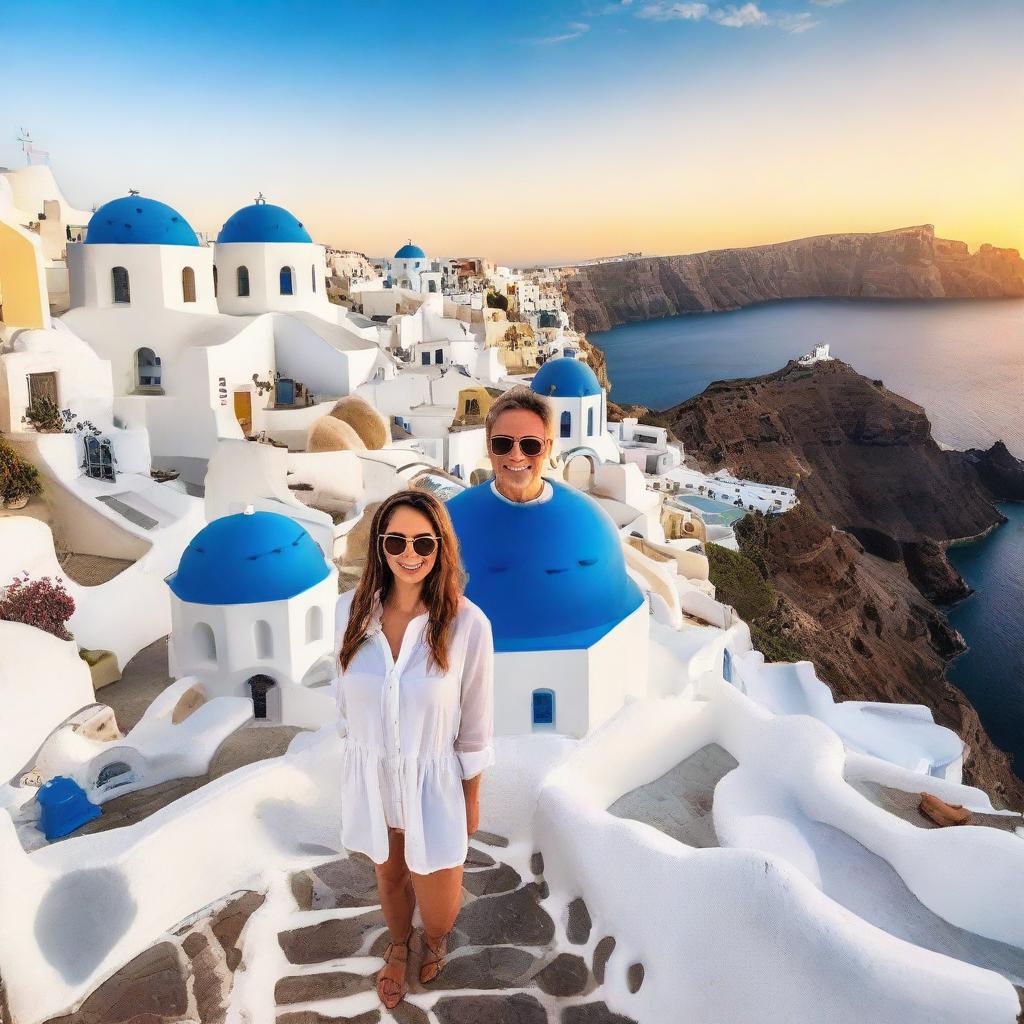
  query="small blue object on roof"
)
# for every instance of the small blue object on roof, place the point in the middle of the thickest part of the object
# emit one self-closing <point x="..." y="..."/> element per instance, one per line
<point x="563" y="589"/>
<point x="247" y="559"/>
<point x="133" y="220"/>
<point x="64" y="807"/>
<point x="262" y="222"/>
<point x="410" y="252"/>
<point x="566" y="378"/>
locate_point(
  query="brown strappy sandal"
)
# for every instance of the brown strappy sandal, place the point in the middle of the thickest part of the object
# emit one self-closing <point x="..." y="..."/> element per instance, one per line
<point x="434" y="961"/>
<point x="390" y="991"/>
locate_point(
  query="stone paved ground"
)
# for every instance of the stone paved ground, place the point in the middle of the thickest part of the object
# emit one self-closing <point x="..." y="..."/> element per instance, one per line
<point x="504" y="966"/>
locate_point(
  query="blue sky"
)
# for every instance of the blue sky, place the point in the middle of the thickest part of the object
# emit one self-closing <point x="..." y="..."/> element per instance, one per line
<point x="530" y="130"/>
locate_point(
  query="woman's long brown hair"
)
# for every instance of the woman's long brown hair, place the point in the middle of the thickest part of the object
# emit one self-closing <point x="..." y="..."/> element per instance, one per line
<point x="442" y="589"/>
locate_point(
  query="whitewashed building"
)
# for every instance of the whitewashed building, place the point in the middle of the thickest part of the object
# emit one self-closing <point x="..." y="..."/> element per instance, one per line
<point x="252" y="606"/>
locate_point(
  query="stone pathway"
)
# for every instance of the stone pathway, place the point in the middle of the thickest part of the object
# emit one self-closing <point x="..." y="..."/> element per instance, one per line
<point x="505" y="965"/>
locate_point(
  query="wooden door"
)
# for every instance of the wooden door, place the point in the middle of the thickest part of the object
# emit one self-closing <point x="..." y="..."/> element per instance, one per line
<point x="243" y="410"/>
<point x="42" y="385"/>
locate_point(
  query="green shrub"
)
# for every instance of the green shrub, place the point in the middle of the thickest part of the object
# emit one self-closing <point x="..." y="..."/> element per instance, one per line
<point x="18" y="478"/>
<point x="740" y="582"/>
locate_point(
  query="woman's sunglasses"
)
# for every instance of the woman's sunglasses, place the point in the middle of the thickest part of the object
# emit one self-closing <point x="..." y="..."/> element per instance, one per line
<point x="396" y="543"/>
<point x="531" y="447"/>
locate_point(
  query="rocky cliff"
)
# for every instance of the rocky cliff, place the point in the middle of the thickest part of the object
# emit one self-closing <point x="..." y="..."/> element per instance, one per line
<point x="908" y="263"/>
<point x="859" y="563"/>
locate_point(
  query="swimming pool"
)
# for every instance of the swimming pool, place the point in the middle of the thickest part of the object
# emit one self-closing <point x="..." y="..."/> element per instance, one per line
<point x="711" y="510"/>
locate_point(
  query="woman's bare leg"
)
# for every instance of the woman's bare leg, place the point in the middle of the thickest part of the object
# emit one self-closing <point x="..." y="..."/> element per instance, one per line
<point x="397" y="901"/>
<point x="439" y="895"/>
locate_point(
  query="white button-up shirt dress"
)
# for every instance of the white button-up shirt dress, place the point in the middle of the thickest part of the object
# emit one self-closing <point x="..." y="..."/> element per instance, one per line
<point x="412" y="734"/>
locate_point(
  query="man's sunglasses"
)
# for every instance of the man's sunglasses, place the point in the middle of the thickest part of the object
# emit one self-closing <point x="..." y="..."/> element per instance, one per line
<point x="531" y="447"/>
<point x="396" y="543"/>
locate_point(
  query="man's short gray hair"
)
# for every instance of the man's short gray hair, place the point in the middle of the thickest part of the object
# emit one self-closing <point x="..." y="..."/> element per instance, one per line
<point x="521" y="397"/>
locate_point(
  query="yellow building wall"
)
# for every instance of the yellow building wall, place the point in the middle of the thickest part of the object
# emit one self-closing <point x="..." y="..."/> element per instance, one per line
<point x="23" y="298"/>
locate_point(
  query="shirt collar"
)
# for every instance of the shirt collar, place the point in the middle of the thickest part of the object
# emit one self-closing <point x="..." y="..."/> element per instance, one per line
<point x="545" y="495"/>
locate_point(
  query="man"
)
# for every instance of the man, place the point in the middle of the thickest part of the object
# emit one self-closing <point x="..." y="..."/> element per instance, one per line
<point x="519" y="420"/>
<point x="544" y="560"/>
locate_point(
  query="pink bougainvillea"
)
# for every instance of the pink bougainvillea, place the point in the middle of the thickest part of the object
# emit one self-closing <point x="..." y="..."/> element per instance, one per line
<point x="43" y="603"/>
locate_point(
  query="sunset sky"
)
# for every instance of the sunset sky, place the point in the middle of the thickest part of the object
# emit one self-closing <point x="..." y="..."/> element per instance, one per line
<point x="534" y="131"/>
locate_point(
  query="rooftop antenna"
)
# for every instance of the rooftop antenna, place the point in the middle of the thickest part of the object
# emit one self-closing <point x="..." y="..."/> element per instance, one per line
<point x="261" y="200"/>
<point x="30" y="151"/>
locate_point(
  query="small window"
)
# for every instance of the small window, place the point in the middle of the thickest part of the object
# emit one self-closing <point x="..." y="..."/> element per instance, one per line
<point x="122" y="287"/>
<point x="147" y="369"/>
<point x="286" y="281"/>
<point x="313" y="275"/>
<point x="204" y="643"/>
<point x="438" y="355"/>
<point x="590" y="422"/>
<point x="188" y="284"/>
<point x="472" y="407"/>
<point x="565" y="428"/>
<point x="215" y="282"/>
<point x="314" y="625"/>
<point x="543" y="708"/>
<point x="264" y="638"/>
<point x="432" y="286"/>
<point x="243" y="282"/>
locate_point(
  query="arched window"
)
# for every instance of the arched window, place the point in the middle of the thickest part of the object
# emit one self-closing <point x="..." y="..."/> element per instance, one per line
<point x="439" y="356"/>
<point x="314" y="624"/>
<point x="590" y="422"/>
<point x="313" y="275"/>
<point x="543" y="708"/>
<point x="215" y="282"/>
<point x="286" y="281"/>
<point x="432" y="286"/>
<point x="243" y="282"/>
<point x="566" y="424"/>
<point x="122" y="288"/>
<point x="188" y="284"/>
<point x="204" y="643"/>
<point x="264" y="639"/>
<point x="727" y="665"/>
<point x="147" y="370"/>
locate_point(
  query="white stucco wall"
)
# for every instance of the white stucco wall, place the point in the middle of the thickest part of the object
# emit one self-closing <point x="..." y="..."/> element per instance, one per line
<point x="264" y="261"/>
<point x="154" y="274"/>
<point x="42" y="682"/>
<point x="237" y="656"/>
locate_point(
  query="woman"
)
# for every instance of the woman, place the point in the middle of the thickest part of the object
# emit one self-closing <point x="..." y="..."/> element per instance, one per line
<point x="415" y="701"/>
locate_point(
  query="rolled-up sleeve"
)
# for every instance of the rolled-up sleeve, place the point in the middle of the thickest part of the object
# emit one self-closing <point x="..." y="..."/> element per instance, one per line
<point x="474" y="745"/>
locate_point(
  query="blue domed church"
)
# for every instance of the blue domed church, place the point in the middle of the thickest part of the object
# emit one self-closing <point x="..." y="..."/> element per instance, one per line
<point x="141" y="254"/>
<point x="252" y="613"/>
<point x="570" y="625"/>
<point x="267" y="262"/>
<point x="579" y="404"/>
<point x="412" y="269"/>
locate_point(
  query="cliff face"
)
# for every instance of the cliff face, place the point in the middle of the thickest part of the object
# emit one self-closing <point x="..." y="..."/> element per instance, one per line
<point x="861" y="457"/>
<point x="908" y="263"/>
<point x="857" y="599"/>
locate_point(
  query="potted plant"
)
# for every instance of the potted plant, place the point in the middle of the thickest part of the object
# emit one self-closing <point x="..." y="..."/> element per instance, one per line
<point x="19" y="480"/>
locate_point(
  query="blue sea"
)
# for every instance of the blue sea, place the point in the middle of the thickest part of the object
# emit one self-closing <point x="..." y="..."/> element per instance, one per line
<point x="991" y="673"/>
<point x="962" y="361"/>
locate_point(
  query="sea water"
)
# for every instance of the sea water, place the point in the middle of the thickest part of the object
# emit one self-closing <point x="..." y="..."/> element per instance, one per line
<point x="962" y="360"/>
